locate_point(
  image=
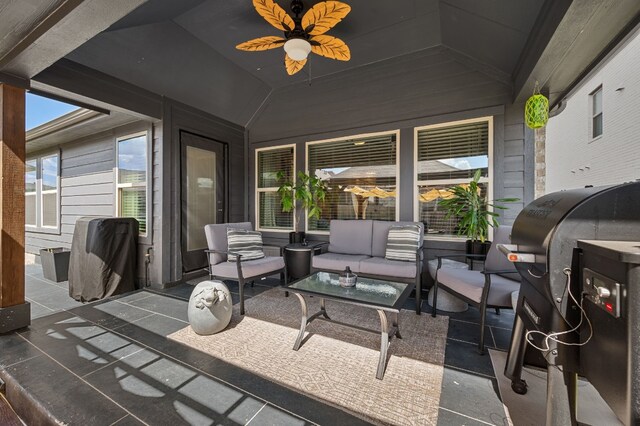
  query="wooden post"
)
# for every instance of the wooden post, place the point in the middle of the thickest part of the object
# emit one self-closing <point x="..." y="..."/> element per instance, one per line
<point x="14" y="312"/>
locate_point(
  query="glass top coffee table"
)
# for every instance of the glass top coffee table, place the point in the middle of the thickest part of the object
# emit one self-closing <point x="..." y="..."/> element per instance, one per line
<point x="383" y="296"/>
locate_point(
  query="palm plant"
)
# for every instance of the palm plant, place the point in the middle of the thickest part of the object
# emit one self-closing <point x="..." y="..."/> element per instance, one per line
<point x="306" y="193"/>
<point x="475" y="213"/>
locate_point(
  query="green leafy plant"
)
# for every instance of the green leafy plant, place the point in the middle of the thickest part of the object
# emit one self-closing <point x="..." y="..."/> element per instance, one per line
<point x="306" y="193"/>
<point x="473" y="209"/>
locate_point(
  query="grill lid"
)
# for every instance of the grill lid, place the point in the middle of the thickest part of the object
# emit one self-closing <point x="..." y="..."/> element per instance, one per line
<point x="534" y="226"/>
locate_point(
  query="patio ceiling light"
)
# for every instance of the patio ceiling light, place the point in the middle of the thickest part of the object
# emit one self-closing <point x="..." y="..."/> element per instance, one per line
<point x="297" y="49"/>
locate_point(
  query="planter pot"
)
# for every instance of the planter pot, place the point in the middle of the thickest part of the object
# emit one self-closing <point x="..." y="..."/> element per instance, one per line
<point x="297" y="237"/>
<point x="477" y="247"/>
<point x="55" y="264"/>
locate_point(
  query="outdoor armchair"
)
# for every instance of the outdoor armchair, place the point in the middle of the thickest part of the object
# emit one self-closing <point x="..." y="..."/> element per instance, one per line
<point x="238" y="270"/>
<point x="490" y="287"/>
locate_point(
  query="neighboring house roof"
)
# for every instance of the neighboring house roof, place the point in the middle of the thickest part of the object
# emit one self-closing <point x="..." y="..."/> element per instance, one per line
<point x="73" y="126"/>
<point x="432" y="166"/>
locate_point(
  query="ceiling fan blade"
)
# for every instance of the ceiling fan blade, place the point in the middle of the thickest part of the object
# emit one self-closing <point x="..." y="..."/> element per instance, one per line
<point x="262" y="43"/>
<point x="324" y="16"/>
<point x="293" y="66"/>
<point x="274" y="14"/>
<point x="330" y="47"/>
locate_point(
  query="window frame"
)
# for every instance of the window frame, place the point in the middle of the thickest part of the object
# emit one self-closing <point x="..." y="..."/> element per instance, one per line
<point x="343" y="138"/>
<point x="38" y="227"/>
<point x="32" y="227"/>
<point x="417" y="183"/>
<point x="259" y="190"/>
<point x="40" y="197"/>
<point x="145" y="238"/>
<point x="593" y="115"/>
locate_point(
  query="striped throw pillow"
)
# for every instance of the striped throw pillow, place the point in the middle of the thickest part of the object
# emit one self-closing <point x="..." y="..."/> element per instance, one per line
<point x="402" y="242"/>
<point x="243" y="242"/>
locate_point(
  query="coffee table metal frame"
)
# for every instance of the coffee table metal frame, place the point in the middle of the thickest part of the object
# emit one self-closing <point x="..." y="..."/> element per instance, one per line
<point x="387" y="333"/>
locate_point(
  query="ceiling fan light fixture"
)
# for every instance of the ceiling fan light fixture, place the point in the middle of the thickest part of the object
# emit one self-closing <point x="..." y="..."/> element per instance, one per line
<point x="297" y="48"/>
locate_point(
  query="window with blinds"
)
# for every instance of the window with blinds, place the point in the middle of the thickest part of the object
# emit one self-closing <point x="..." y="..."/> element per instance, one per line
<point x="361" y="175"/>
<point x="42" y="205"/>
<point x="30" y="192"/>
<point x="132" y="178"/>
<point x="448" y="155"/>
<point x="596" y="113"/>
<point x="269" y="161"/>
<point x="49" y="191"/>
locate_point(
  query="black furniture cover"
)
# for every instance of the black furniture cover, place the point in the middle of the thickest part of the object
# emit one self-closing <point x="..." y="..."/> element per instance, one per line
<point x="103" y="258"/>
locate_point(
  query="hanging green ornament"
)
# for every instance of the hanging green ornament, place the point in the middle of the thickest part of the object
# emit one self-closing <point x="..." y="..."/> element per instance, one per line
<point x="536" y="110"/>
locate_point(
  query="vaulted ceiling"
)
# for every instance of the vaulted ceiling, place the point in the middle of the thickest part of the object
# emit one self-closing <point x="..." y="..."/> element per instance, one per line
<point x="185" y="49"/>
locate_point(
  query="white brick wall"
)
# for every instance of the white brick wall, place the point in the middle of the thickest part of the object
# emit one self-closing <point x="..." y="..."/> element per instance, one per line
<point x="573" y="159"/>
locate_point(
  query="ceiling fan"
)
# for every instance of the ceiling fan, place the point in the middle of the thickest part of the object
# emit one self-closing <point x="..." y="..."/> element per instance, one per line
<point x="302" y="34"/>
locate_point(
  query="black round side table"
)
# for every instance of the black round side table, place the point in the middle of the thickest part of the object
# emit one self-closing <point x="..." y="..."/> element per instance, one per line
<point x="297" y="257"/>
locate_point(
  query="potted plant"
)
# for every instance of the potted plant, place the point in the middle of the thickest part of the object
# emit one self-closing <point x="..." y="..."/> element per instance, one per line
<point x="305" y="193"/>
<point x="474" y="212"/>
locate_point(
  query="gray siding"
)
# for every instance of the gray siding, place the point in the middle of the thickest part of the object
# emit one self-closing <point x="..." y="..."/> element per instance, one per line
<point x="155" y="274"/>
<point x="87" y="187"/>
<point x="438" y="89"/>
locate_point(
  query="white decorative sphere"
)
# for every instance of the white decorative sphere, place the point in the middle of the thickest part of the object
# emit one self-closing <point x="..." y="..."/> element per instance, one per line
<point x="210" y="307"/>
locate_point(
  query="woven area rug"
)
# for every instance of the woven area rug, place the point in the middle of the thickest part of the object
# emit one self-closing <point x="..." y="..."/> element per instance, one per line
<point x="336" y="365"/>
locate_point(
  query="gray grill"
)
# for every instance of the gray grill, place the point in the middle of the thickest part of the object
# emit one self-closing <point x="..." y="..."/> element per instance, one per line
<point x="552" y="259"/>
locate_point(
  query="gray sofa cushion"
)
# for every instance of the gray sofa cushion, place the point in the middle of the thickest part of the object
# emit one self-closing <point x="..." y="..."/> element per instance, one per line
<point x="217" y="238"/>
<point x="381" y="232"/>
<point x="337" y="262"/>
<point x="388" y="268"/>
<point x="471" y="283"/>
<point x="251" y="268"/>
<point x="351" y="237"/>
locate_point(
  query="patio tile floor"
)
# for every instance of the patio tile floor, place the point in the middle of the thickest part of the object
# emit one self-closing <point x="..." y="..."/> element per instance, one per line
<point x="109" y="362"/>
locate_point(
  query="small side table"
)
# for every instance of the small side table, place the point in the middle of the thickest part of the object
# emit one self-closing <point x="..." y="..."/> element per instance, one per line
<point x="297" y="257"/>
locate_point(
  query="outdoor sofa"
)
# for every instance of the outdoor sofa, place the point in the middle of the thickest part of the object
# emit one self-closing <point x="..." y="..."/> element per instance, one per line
<point x="362" y="245"/>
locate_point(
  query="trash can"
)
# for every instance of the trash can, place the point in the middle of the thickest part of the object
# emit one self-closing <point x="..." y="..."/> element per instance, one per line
<point x="103" y="258"/>
<point x="55" y="263"/>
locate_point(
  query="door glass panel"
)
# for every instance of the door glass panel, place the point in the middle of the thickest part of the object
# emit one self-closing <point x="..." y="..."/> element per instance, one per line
<point x="201" y="195"/>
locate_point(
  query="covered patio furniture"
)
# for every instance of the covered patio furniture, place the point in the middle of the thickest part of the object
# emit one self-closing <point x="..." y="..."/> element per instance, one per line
<point x="490" y="287"/>
<point x="238" y="270"/>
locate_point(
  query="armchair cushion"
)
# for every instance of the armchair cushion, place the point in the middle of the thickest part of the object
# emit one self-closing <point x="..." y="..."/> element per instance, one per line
<point x="498" y="261"/>
<point x="217" y="238"/>
<point x="470" y="284"/>
<point x="403" y="243"/>
<point x="251" y="268"/>
<point x="245" y="243"/>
